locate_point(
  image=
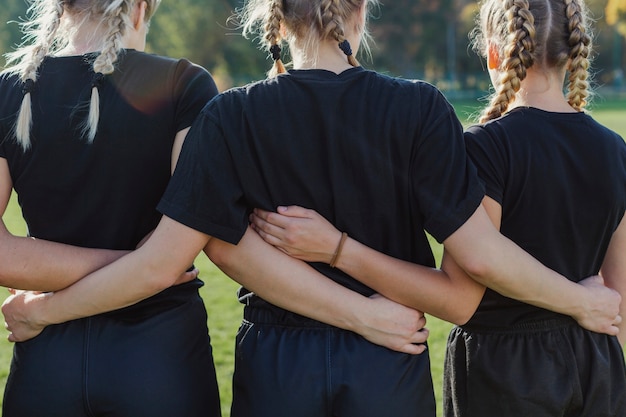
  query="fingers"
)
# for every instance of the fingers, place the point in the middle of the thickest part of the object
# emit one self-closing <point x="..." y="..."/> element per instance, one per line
<point x="295" y="211"/>
<point x="417" y="345"/>
<point x="268" y="232"/>
<point x="272" y="218"/>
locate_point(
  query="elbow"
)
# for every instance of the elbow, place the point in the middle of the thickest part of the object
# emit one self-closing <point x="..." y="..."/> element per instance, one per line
<point x="462" y="316"/>
<point x="482" y="269"/>
<point x="220" y="253"/>
<point x="157" y="278"/>
<point x="458" y="312"/>
<point x="477" y="267"/>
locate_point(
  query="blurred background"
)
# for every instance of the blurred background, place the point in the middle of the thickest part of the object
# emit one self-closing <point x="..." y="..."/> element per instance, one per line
<point x="425" y="39"/>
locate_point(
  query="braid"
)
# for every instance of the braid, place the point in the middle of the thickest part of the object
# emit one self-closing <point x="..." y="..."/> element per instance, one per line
<point x="580" y="45"/>
<point x="117" y="16"/>
<point x="272" y="35"/>
<point x="518" y="56"/>
<point x="46" y="24"/>
<point x="332" y="26"/>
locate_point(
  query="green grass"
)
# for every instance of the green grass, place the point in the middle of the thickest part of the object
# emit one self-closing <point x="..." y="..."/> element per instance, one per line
<point x="224" y="311"/>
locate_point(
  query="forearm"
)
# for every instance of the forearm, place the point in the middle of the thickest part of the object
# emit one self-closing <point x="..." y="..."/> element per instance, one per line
<point x="614" y="272"/>
<point x="142" y="273"/>
<point x="453" y="298"/>
<point x="295" y="286"/>
<point x="501" y="265"/>
<point x="286" y="282"/>
<point x="33" y="264"/>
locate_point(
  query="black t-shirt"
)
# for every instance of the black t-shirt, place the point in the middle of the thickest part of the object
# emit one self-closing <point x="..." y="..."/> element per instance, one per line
<point x="382" y="158"/>
<point x="561" y="181"/>
<point x="102" y="194"/>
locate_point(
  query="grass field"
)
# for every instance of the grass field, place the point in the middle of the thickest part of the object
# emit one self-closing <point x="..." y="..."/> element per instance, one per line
<point x="224" y="311"/>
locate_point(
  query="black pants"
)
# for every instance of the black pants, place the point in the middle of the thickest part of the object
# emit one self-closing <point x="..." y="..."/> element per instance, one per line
<point x="289" y="366"/>
<point x="154" y="363"/>
<point x="544" y="369"/>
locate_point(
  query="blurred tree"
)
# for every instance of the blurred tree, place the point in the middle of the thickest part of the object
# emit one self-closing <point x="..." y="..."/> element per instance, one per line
<point x="616" y="15"/>
<point x="425" y="39"/>
<point x="10" y="13"/>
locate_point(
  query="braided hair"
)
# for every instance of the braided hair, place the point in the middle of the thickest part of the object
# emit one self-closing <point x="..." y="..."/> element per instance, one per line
<point x="333" y="13"/>
<point x="306" y="22"/>
<point x="551" y="33"/>
<point x="580" y="46"/>
<point x="25" y="62"/>
<point x="44" y="37"/>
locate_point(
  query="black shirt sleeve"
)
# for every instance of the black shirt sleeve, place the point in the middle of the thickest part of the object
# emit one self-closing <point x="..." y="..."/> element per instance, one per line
<point x="490" y="159"/>
<point x="445" y="183"/>
<point x="204" y="192"/>
<point x="194" y="87"/>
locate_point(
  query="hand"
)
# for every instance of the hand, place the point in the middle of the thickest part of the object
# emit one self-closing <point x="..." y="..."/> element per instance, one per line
<point x="601" y="311"/>
<point x="394" y="326"/>
<point x="300" y="233"/>
<point x="19" y="311"/>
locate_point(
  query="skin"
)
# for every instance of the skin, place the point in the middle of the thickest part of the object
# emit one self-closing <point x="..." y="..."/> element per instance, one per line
<point x="253" y="263"/>
<point x="34" y="264"/>
<point x="452" y="294"/>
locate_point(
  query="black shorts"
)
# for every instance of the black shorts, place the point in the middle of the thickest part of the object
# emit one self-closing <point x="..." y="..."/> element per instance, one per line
<point x="544" y="369"/>
<point x="288" y="366"/>
<point x="154" y="363"/>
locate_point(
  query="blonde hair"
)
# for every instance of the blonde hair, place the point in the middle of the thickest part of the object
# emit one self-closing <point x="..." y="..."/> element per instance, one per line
<point x="306" y="21"/>
<point x="549" y="33"/>
<point x="44" y="35"/>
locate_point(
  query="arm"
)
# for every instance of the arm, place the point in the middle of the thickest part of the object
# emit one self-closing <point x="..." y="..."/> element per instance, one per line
<point x="142" y="273"/>
<point x="173" y="246"/>
<point x="41" y="265"/>
<point x="614" y="271"/>
<point x="306" y="235"/>
<point x="34" y="264"/>
<point x="270" y="274"/>
<point x="492" y="260"/>
<point x="496" y="262"/>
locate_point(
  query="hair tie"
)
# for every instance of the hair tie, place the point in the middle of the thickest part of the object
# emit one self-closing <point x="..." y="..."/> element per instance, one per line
<point x="275" y="51"/>
<point x="28" y="86"/>
<point x="345" y="47"/>
<point x="97" y="80"/>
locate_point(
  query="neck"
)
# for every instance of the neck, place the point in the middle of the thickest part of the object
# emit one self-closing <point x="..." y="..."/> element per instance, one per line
<point x="326" y="58"/>
<point x="325" y="55"/>
<point x="90" y="36"/>
<point x="543" y="89"/>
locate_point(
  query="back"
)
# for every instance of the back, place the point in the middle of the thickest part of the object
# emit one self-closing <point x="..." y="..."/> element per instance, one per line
<point x="381" y="158"/>
<point x="561" y="181"/>
<point x="102" y="194"/>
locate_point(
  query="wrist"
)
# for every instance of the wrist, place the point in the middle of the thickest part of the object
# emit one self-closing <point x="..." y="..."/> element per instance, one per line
<point x="40" y="311"/>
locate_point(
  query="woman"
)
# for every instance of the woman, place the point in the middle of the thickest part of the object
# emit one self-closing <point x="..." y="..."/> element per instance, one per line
<point x="533" y="143"/>
<point x="308" y="136"/>
<point x="91" y="127"/>
<point x="556" y="185"/>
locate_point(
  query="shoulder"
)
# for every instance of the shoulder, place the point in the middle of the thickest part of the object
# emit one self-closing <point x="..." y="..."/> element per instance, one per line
<point x="160" y="63"/>
<point x="180" y="73"/>
<point x="415" y="87"/>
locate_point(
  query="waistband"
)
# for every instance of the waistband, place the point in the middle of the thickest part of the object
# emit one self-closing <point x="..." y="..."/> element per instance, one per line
<point x="534" y="326"/>
<point x="265" y="313"/>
